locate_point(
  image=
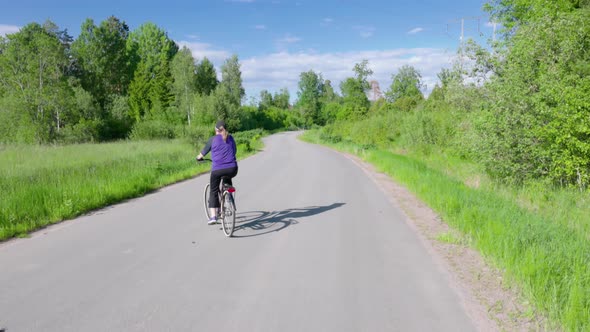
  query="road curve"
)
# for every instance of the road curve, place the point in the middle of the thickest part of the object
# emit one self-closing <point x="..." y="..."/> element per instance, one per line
<point x="318" y="248"/>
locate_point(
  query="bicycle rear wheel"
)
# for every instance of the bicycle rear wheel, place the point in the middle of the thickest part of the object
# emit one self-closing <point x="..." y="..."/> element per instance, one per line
<point x="229" y="214"/>
<point x="206" y="194"/>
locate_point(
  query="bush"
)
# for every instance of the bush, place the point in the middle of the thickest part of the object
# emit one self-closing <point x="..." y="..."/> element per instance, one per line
<point x="85" y="131"/>
<point x="152" y="129"/>
<point x="195" y="135"/>
<point x="245" y="140"/>
<point x="538" y="119"/>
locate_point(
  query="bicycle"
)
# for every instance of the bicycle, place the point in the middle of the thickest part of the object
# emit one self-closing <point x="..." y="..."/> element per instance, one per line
<point x="227" y="211"/>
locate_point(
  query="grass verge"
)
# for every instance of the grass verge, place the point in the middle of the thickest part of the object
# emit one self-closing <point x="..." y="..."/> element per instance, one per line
<point x="548" y="260"/>
<point x="42" y="185"/>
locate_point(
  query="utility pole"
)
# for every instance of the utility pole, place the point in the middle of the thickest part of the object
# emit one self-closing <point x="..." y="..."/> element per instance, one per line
<point x="494" y="36"/>
<point x="462" y="37"/>
<point x="462" y="20"/>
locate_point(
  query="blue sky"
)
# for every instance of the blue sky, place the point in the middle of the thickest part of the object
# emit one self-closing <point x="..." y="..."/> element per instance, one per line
<point x="276" y="40"/>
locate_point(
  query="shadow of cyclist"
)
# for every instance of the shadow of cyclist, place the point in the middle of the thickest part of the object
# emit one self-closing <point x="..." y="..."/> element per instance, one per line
<point x="265" y="222"/>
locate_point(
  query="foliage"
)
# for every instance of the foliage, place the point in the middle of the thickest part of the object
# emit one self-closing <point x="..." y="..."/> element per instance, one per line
<point x="184" y="82"/>
<point x="229" y="94"/>
<point x="328" y="95"/>
<point x="102" y="62"/>
<point x="281" y="99"/>
<point x="266" y="100"/>
<point x="272" y="118"/>
<point x="152" y="129"/>
<point x="354" y="99"/>
<point x="512" y="14"/>
<point x="206" y="77"/>
<point x="152" y="50"/>
<point x="406" y="83"/>
<point x="33" y="65"/>
<point x="309" y="94"/>
<point x="537" y="123"/>
<point x="111" y="84"/>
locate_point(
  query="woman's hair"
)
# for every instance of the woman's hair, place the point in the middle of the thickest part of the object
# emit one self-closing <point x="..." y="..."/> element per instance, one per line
<point x="224" y="134"/>
<point x="220" y="126"/>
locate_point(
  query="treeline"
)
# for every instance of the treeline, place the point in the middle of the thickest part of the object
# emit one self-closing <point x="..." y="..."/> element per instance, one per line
<point x="520" y="109"/>
<point x="111" y="83"/>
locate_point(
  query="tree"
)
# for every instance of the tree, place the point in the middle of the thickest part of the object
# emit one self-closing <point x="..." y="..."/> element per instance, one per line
<point x="229" y="93"/>
<point x="151" y="50"/>
<point x="184" y="76"/>
<point x="363" y="72"/>
<point x="206" y="79"/>
<point x="32" y="66"/>
<point x="231" y="79"/>
<point x="405" y="87"/>
<point x="449" y="76"/>
<point x="102" y="59"/>
<point x="266" y="100"/>
<point x="511" y="14"/>
<point x="328" y="94"/>
<point x="538" y="119"/>
<point x="355" y="101"/>
<point x="281" y="99"/>
<point x="103" y="67"/>
<point x="310" y="89"/>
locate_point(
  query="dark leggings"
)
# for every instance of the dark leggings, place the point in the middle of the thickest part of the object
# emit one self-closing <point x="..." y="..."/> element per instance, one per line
<point x="216" y="179"/>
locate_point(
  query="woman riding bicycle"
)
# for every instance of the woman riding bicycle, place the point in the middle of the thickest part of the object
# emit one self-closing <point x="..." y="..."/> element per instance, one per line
<point x="223" y="156"/>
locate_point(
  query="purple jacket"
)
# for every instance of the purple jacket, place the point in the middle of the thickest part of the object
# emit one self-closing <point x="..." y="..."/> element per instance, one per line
<point x="223" y="154"/>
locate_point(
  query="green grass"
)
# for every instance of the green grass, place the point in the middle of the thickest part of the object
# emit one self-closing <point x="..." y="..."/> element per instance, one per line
<point x="545" y="256"/>
<point x="450" y="238"/>
<point x="42" y="185"/>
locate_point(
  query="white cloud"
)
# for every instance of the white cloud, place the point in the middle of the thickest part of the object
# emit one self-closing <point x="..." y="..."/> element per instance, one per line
<point x="283" y="43"/>
<point x="289" y="39"/>
<point x="200" y="50"/>
<point x="327" y="21"/>
<point x="260" y="27"/>
<point x="281" y="70"/>
<point x="415" y="31"/>
<point x="8" y="29"/>
<point x="365" y="31"/>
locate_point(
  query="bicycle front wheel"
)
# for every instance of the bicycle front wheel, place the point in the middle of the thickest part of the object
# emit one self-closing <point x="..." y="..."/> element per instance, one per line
<point x="229" y="214"/>
<point x="206" y="194"/>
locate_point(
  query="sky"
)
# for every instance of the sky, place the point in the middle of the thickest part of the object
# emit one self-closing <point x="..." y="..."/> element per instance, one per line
<point x="277" y="40"/>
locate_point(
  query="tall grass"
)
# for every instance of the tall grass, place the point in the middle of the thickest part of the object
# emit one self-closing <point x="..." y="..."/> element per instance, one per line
<point x="41" y="185"/>
<point x="546" y="257"/>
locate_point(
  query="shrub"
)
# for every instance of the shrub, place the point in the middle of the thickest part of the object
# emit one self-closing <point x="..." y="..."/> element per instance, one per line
<point x="152" y="129"/>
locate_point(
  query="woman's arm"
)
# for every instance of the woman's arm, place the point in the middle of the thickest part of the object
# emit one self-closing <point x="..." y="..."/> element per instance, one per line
<point x="206" y="149"/>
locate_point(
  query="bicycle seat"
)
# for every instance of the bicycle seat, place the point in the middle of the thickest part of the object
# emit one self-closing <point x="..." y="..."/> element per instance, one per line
<point x="225" y="183"/>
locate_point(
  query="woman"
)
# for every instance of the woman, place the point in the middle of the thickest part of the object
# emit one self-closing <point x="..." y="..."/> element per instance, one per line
<point x="223" y="155"/>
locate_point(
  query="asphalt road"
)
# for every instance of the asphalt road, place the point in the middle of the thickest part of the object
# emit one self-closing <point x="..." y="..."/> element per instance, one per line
<point x="318" y="248"/>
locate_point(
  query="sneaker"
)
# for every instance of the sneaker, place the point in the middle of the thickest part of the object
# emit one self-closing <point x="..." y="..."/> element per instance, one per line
<point x="212" y="221"/>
